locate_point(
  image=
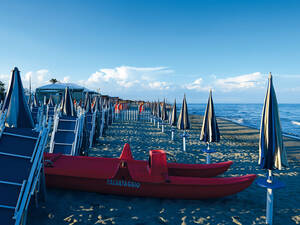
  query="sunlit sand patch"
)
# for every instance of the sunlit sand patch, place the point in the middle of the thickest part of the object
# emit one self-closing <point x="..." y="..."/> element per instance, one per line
<point x="296" y="219"/>
<point x="50" y="215"/>
<point x="200" y="220"/>
<point x="87" y="209"/>
<point x="71" y="220"/>
<point x="183" y="220"/>
<point x="162" y="211"/>
<point x="235" y="220"/>
<point x="162" y="220"/>
<point x="104" y="221"/>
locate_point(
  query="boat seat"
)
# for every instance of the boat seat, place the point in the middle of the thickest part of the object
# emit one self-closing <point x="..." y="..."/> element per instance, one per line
<point x="126" y="153"/>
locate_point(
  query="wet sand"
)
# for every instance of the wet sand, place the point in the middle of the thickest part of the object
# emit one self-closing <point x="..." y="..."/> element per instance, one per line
<point x="238" y="143"/>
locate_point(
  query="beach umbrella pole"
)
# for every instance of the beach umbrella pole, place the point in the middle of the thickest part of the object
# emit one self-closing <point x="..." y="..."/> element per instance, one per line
<point x="208" y="154"/>
<point x="269" y="213"/>
<point x="270" y="184"/>
<point x="172" y="134"/>
<point x="158" y="123"/>
<point x="184" y="141"/>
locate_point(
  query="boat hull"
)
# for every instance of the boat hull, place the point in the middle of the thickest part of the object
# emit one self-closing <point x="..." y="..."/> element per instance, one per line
<point x="204" y="189"/>
<point x="134" y="178"/>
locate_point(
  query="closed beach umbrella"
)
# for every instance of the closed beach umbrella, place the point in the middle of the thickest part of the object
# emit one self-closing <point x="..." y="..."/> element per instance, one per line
<point x="87" y="103"/>
<point x="158" y="113"/>
<point x="51" y="102"/>
<point x="35" y="101"/>
<point x="154" y="112"/>
<point x="95" y="105"/>
<point x="272" y="154"/>
<point x="158" y="110"/>
<point x="45" y="100"/>
<point x="67" y="104"/>
<point x="173" y="119"/>
<point x="183" y="121"/>
<point x="164" y="115"/>
<point x="210" y="130"/>
<point x="174" y="115"/>
<point x="18" y="112"/>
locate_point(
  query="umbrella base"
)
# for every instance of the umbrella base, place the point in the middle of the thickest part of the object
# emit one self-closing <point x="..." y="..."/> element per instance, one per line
<point x="209" y="150"/>
<point x="263" y="182"/>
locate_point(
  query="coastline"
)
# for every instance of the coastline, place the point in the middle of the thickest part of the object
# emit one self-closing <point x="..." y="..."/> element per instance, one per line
<point x="255" y="128"/>
<point x="238" y="143"/>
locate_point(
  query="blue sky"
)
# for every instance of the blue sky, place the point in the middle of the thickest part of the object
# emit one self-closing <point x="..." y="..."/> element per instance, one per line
<point x="156" y="49"/>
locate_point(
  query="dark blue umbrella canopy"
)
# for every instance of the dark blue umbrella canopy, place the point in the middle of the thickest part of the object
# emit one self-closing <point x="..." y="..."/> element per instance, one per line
<point x="153" y="108"/>
<point x="96" y="104"/>
<point x="100" y="103"/>
<point x="35" y="101"/>
<point x="87" y="103"/>
<point x="158" y="110"/>
<point x="18" y="112"/>
<point x="272" y="154"/>
<point x="164" y="113"/>
<point x="104" y="103"/>
<point x="173" y="121"/>
<point x="45" y="100"/>
<point x="29" y="101"/>
<point x="183" y="120"/>
<point x="51" y="102"/>
<point x="67" y="104"/>
<point x="210" y="130"/>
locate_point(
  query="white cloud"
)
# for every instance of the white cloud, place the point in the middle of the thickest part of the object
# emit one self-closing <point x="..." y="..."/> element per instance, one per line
<point x="197" y="85"/>
<point x="38" y="78"/>
<point x="246" y="81"/>
<point x="4" y="78"/>
<point x="128" y="77"/>
<point x="159" y="85"/>
<point x="66" y="79"/>
<point x="252" y="80"/>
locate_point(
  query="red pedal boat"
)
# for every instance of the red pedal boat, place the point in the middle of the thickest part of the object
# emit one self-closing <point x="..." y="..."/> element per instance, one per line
<point x="155" y="178"/>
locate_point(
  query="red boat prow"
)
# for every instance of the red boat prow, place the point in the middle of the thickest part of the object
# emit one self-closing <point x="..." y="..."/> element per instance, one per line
<point x="126" y="176"/>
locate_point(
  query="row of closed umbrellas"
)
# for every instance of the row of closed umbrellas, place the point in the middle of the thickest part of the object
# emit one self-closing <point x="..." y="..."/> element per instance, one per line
<point x="272" y="154"/>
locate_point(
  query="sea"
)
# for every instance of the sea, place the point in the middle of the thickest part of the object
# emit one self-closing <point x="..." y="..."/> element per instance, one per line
<point x="250" y="115"/>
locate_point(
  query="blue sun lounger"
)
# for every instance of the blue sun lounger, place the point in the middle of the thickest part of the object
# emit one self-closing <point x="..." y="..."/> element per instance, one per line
<point x="66" y="136"/>
<point x="35" y="114"/>
<point x="50" y="112"/>
<point x="21" y="167"/>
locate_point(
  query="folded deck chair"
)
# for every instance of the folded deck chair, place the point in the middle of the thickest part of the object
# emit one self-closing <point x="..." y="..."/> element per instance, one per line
<point x="21" y="152"/>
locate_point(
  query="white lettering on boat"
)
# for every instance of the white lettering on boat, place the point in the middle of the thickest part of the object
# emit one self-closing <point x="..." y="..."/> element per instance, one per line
<point x="123" y="183"/>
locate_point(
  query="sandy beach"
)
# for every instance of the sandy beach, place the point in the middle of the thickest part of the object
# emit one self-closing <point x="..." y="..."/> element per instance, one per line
<point x="238" y="143"/>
